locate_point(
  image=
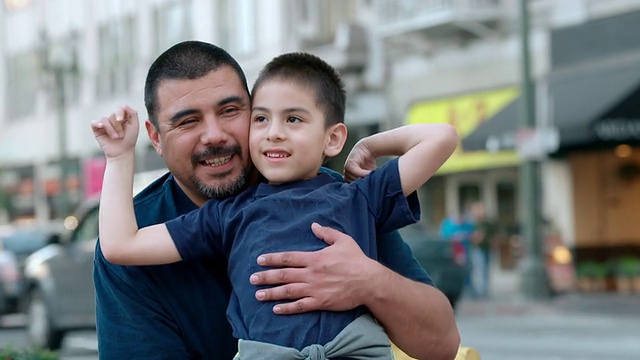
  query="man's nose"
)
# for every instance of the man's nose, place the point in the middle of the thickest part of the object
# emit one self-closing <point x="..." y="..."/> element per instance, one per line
<point x="213" y="132"/>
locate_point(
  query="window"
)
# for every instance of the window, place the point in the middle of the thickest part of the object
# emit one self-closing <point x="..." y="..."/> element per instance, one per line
<point x="318" y="20"/>
<point x="116" y="56"/>
<point x="22" y="81"/>
<point x="237" y="26"/>
<point x="172" y="24"/>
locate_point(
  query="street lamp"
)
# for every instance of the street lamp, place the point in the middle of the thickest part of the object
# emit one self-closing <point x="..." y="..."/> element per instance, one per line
<point x="534" y="282"/>
<point x="59" y="61"/>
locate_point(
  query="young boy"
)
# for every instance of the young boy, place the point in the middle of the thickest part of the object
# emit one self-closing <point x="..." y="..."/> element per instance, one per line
<point x="297" y="120"/>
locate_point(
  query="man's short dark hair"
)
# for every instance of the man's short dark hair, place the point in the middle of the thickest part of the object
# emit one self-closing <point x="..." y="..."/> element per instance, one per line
<point x="186" y="60"/>
<point x="309" y="71"/>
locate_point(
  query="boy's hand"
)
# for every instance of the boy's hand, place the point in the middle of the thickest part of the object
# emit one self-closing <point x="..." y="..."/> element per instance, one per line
<point x="360" y="162"/>
<point x="118" y="132"/>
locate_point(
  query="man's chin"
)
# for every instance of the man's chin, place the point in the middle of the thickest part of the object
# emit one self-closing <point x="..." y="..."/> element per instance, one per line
<point x="219" y="186"/>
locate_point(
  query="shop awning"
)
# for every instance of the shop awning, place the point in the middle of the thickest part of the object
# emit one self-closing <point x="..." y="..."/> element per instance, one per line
<point x="496" y="133"/>
<point x="594" y="104"/>
<point x="597" y="104"/>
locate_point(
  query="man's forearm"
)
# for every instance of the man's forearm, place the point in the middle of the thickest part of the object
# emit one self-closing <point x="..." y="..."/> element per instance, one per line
<point x="417" y="317"/>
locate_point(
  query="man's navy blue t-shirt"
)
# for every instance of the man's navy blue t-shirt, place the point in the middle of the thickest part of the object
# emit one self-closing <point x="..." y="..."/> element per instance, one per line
<point x="274" y="218"/>
<point x="178" y="311"/>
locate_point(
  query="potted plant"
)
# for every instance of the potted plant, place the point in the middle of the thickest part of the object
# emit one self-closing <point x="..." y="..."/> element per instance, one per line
<point x="591" y="276"/>
<point x="627" y="272"/>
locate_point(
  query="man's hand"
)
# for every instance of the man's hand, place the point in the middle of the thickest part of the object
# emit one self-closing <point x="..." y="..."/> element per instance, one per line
<point x="117" y="133"/>
<point x="328" y="279"/>
<point x="360" y="162"/>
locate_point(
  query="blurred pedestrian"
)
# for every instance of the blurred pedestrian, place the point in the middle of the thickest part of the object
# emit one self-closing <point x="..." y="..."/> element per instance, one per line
<point x="482" y="241"/>
<point x="458" y="228"/>
<point x="198" y="105"/>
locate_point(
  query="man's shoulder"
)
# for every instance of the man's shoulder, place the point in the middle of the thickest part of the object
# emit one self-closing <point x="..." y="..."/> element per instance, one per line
<point x="160" y="201"/>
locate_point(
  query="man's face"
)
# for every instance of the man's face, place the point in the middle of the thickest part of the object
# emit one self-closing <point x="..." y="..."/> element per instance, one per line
<point x="203" y="132"/>
<point x="289" y="138"/>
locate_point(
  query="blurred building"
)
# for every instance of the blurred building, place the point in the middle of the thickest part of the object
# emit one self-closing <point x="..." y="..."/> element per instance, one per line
<point x="65" y="62"/>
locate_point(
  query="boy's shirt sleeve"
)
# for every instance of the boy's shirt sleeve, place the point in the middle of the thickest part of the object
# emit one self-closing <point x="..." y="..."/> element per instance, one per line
<point x="383" y="190"/>
<point x="393" y="251"/>
<point x="198" y="234"/>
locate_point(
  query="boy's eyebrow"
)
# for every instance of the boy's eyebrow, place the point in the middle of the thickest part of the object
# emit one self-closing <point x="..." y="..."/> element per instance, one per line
<point x="287" y="110"/>
<point x="182" y="113"/>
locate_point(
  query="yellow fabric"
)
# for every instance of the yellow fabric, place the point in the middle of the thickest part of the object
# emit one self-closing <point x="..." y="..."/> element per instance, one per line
<point x="464" y="353"/>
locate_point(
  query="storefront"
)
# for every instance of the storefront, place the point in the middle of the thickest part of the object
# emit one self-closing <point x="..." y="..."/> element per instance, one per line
<point x="470" y="176"/>
<point x="592" y="97"/>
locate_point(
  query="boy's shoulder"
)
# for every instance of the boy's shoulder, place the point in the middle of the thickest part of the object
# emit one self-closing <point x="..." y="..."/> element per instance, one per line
<point x="336" y="175"/>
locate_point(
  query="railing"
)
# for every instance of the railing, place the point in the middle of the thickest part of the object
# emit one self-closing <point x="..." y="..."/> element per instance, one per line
<point x="390" y="12"/>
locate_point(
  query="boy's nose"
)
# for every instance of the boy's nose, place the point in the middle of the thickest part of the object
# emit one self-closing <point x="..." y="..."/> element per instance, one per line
<point x="276" y="131"/>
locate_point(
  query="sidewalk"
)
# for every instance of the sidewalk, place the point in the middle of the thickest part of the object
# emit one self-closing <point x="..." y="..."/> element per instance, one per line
<point x="506" y="299"/>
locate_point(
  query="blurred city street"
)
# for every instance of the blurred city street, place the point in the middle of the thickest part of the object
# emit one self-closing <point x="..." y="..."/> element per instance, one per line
<point x="574" y="326"/>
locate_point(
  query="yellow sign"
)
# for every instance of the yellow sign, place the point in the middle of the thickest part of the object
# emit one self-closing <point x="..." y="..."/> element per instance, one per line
<point x="465" y="113"/>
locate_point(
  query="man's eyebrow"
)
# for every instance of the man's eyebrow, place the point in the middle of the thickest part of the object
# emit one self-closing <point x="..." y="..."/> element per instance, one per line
<point x="182" y="113"/>
<point x="229" y="100"/>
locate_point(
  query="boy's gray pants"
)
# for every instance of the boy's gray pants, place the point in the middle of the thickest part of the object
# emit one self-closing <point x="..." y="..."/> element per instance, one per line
<point x="363" y="339"/>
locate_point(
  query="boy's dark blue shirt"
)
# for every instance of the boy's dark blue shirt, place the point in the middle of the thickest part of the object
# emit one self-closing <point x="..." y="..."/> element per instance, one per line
<point x="178" y="311"/>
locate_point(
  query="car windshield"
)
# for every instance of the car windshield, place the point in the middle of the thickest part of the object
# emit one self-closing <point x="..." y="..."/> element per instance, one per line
<point x="25" y="241"/>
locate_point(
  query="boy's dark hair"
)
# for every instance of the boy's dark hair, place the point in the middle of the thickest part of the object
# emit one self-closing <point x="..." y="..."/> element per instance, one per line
<point x="309" y="71"/>
<point x="186" y="60"/>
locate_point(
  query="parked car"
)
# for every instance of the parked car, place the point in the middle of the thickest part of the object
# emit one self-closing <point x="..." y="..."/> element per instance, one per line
<point x="59" y="293"/>
<point x="442" y="259"/>
<point x="16" y="243"/>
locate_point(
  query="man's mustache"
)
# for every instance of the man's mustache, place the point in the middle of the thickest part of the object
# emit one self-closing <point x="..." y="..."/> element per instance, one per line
<point x="218" y="151"/>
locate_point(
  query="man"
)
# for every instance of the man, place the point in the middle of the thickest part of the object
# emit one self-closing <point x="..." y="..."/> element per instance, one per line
<point x="199" y="114"/>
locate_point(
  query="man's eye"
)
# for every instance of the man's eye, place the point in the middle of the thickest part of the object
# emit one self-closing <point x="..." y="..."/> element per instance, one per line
<point x="188" y="121"/>
<point x="293" y="119"/>
<point x="230" y="110"/>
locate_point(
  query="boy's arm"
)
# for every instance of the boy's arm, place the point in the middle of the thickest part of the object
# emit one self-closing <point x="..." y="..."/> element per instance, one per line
<point x="422" y="148"/>
<point x="120" y="240"/>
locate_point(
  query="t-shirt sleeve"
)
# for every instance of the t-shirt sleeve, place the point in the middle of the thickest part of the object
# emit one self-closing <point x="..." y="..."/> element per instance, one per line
<point x="383" y="190"/>
<point x="396" y="254"/>
<point x="198" y="234"/>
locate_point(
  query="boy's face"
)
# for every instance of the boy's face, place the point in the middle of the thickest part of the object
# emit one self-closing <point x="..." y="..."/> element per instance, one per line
<point x="288" y="139"/>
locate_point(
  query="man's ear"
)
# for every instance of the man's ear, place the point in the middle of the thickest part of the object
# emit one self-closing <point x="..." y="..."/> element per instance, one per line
<point x="336" y="137"/>
<point x="154" y="136"/>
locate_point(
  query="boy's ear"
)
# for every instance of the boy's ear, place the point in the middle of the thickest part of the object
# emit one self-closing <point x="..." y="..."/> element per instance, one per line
<point x="154" y="136"/>
<point x="336" y="137"/>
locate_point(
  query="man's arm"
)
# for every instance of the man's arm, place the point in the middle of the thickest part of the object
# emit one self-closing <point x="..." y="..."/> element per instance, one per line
<point x="130" y="323"/>
<point x="416" y="316"/>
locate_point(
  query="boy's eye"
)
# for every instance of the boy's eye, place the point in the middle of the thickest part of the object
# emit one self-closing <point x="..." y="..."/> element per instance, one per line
<point x="293" y="119"/>
<point x="260" y="118"/>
